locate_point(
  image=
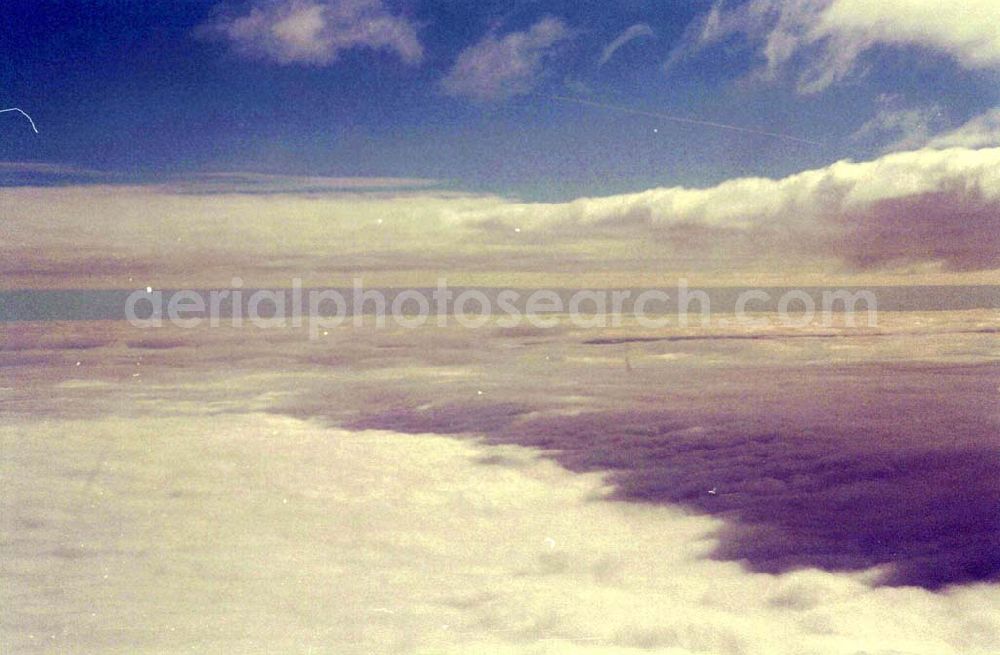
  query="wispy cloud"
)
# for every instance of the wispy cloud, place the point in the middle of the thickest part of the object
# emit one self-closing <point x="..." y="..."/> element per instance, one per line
<point x="636" y="31"/>
<point x="926" y="127"/>
<point x="501" y="67"/>
<point x="979" y="132"/>
<point x="315" y="31"/>
<point x="894" y="127"/>
<point x="262" y="183"/>
<point x="34" y="173"/>
<point x="824" y="39"/>
<point x="46" y="168"/>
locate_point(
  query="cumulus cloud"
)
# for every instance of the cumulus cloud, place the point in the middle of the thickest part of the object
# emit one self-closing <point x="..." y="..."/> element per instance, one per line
<point x="920" y="206"/>
<point x="315" y="31"/>
<point x="825" y="39"/>
<point x="636" y="31"/>
<point x="501" y="67"/>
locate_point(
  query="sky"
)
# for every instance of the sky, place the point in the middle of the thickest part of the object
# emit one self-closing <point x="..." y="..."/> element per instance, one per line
<point x="597" y="125"/>
<point x="462" y="92"/>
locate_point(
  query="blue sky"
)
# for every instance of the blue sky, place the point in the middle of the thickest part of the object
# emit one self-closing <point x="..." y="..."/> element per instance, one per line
<point x="145" y="91"/>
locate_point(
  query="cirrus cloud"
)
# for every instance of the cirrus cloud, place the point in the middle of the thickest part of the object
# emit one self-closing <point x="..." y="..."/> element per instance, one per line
<point x="978" y="132"/>
<point x="906" y="128"/>
<point x="636" y="31"/>
<point x="825" y="39"/>
<point x="923" y="127"/>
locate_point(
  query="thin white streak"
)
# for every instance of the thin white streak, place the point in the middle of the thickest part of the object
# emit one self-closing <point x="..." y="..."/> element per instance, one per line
<point x="636" y="31"/>
<point x="22" y="112"/>
<point x="681" y="119"/>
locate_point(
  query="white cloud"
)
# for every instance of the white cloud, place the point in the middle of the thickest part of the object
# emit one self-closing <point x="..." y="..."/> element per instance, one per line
<point x="826" y="38"/>
<point x="636" y="31"/>
<point x="968" y="30"/>
<point x="923" y="127"/>
<point x="929" y="205"/>
<point x="902" y="128"/>
<point x="316" y="31"/>
<point x="258" y="532"/>
<point x="924" y="210"/>
<point x="979" y="132"/>
<point x="500" y="67"/>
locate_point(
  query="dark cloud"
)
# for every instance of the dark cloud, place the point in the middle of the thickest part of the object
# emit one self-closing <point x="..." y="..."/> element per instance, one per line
<point x="834" y="469"/>
<point x="158" y="344"/>
<point x="17" y="359"/>
<point x="798" y="502"/>
<point x="70" y="264"/>
<point x="957" y="226"/>
<point x="20" y="341"/>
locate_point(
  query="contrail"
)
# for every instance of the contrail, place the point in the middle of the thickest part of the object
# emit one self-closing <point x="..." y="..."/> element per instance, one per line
<point x="22" y="112"/>
<point x="681" y="119"/>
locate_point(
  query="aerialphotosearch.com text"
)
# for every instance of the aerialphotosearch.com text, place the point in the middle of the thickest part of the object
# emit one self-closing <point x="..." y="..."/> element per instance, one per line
<point x="321" y="309"/>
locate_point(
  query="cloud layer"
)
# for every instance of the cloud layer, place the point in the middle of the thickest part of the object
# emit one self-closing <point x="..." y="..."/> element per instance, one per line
<point x="923" y="212"/>
<point x="500" y="67"/>
<point x="223" y="524"/>
<point x="262" y="532"/>
<point x="316" y="31"/>
<point x="817" y="459"/>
